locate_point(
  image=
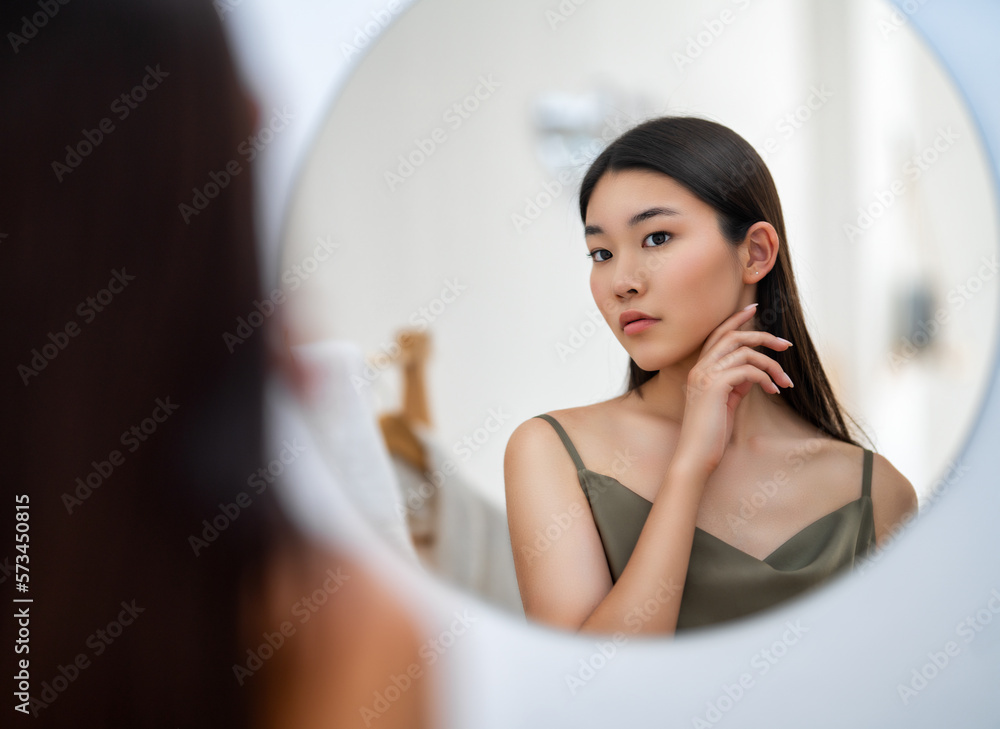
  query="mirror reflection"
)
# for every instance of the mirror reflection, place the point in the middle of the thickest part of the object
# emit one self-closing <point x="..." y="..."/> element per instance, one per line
<point x="436" y="255"/>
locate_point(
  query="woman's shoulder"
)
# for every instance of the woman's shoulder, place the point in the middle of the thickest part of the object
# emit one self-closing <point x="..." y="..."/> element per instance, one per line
<point x="894" y="500"/>
<point x="536" y="453"/>
<point x="581" y="415"/>
<point x="581" y="421"/>
<point x="888" y="485"/>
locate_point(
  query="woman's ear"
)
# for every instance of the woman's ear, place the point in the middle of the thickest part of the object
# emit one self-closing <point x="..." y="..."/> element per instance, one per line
<point x="759" y="251"/>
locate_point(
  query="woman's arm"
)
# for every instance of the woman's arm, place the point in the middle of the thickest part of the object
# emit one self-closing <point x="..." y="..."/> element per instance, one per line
<point x="657" y="569"/>
<point x="334" y="660"/>
<point x="562" y="571"/>
<point x="894" y="501"/>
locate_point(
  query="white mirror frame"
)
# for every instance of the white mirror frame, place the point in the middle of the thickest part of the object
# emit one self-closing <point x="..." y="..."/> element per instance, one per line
<point x="921" y="617"/>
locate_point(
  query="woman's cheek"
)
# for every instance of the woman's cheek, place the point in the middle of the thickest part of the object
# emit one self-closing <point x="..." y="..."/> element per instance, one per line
<point x="602" y="296"/>
<point x="697" y="312"/>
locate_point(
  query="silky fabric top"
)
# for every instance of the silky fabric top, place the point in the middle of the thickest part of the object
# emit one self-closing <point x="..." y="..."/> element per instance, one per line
<point x="723" y="582"/>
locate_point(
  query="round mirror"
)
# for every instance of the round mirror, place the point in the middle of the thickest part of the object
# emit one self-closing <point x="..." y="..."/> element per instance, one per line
<point x="435" y="227"/>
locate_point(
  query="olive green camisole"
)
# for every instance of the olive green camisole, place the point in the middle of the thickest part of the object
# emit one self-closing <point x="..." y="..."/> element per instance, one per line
<point x="724" y="583"/>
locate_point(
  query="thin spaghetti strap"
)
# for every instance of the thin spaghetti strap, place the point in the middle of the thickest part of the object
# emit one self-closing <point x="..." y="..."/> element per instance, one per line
<point x="866" y="483"/>
<point x="565" y="439"/>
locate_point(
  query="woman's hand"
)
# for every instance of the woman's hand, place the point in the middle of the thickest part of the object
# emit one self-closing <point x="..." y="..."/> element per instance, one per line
<point x="726" y="369"/>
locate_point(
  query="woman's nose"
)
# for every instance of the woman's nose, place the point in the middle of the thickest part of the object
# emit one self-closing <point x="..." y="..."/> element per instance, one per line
<point x="630" y="278"/>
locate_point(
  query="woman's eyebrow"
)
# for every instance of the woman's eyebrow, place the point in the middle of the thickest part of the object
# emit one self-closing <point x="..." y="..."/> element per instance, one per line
<point x="651" y="213"/>
<point x="634" y="220"/>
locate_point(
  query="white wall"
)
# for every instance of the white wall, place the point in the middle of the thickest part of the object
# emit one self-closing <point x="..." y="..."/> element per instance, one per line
<point x="497" y="347"/>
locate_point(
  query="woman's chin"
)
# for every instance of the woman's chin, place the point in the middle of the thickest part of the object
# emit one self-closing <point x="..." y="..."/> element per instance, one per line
<point x="656" y="356"/>
<point x="649" y="364"/>
<point x="656" y="362"/>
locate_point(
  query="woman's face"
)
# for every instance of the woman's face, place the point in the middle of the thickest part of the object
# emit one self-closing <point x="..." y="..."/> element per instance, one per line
<point x="657" y="249"/>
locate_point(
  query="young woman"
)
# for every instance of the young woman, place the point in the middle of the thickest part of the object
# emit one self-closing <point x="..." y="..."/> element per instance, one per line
<point x="724" y="480"/>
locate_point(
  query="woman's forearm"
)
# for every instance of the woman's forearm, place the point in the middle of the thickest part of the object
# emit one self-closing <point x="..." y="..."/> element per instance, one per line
<point x="647" y="596"/>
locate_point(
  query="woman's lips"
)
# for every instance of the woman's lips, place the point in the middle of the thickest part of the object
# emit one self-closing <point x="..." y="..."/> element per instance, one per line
<point x="639" y="325"/>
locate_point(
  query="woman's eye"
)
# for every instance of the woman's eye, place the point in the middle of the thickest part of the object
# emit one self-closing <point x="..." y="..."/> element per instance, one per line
<point x="657" y="239"/>
<point x="596" y="255"/>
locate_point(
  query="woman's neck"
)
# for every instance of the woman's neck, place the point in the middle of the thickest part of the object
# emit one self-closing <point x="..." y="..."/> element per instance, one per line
<point x="665" y="395"/>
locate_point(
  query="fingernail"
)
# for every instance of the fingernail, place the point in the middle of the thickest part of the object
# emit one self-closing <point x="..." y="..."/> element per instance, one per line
<point x="747" y="308"/>
<point x="786" y="342"/>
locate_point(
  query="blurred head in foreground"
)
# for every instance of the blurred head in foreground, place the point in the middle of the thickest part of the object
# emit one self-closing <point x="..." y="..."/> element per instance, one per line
<point x="133" y="423"/>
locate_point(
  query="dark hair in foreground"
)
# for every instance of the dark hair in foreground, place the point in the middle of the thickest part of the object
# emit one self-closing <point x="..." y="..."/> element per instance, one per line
<point x="129" y="625"/>
<point x="720" y="168"/>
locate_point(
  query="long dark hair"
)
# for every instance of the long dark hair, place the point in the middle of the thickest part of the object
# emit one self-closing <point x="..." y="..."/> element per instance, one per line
<point x="723" y="170"/>
<point x="128" y="423"/>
